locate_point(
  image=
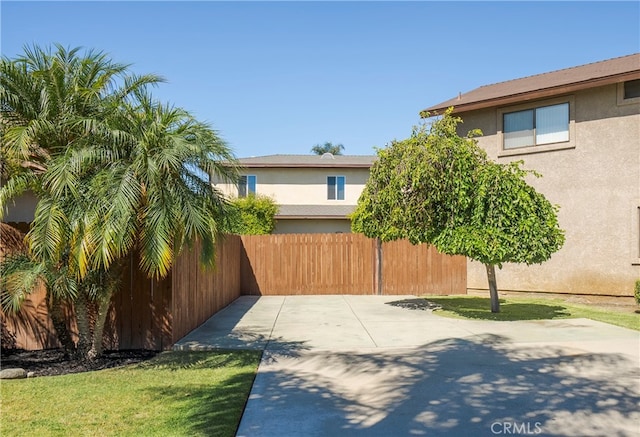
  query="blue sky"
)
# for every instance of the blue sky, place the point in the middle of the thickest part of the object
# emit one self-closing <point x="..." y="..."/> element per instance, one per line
<point x="279" y="77"/>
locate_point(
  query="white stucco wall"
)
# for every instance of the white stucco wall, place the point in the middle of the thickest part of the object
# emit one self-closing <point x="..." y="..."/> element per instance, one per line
<point x="303" y="186"/>
<point x="597" y="186"/>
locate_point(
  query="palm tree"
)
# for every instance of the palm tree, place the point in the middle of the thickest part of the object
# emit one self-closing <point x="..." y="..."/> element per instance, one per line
<point x="327" y="147"/>
<point x="153" y="202"/>
<point x="50" y="101"/>
<point x="125" y="180"/>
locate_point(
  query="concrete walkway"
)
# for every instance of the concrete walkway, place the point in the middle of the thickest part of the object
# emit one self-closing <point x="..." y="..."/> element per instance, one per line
<point x="360" y="366"/>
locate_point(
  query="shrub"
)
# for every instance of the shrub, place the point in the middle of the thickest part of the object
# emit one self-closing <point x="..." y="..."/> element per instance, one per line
<point x="636" y="292"/>
<point x="254" y="215"/>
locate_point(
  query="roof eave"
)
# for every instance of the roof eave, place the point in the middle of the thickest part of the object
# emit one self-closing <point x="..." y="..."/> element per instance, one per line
<point x="527" y="96"/>
<point x="285" y="165"/>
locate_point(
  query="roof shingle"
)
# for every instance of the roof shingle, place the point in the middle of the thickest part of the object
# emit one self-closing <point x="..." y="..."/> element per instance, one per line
<point x="314" y="211"/>
<point x="544" y="85"/>
<point x="352" y="161"/>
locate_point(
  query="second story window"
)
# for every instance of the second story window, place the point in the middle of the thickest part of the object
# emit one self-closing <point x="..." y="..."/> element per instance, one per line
<point x="335" y="187"/>
<point x="247" y="185"/>
<point x="631" y="89"/>
<point x="536" y="126"/>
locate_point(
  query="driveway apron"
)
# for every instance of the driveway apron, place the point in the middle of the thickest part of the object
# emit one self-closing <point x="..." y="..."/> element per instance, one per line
<point x="377" y="366"/>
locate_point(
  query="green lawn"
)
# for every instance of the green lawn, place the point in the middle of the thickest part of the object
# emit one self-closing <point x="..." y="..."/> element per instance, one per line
<point x="174" y="394"/>
<point x="516" y="308"/>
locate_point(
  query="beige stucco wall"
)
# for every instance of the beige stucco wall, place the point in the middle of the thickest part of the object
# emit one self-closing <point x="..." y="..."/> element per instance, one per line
<point x="312" y="226"/>
<point x="596" y="184"/>
<point x="303" y="186"/>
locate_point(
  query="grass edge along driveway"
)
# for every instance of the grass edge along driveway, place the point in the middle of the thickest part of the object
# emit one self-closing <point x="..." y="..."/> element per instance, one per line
<point x="520" y="308"/>
<point x="184" y="393"/>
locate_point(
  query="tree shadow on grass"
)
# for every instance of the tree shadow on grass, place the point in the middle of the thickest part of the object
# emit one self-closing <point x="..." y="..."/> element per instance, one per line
<point x="203" y="410"/>
<point x="214" y="407"/>
<point x="212" y="404"/>
<point x="479" y="308"/>
<point x="199" y="360"/>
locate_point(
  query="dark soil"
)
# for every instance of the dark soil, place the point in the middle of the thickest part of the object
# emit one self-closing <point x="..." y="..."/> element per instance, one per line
<point x="415" y="304"/>
<point x="50" y="362"/>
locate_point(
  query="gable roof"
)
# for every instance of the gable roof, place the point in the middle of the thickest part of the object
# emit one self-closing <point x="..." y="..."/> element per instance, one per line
<point x="309" y="161"/>
<point x="544" y="85"/>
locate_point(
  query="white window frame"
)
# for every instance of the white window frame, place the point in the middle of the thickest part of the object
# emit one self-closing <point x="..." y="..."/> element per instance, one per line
<point x="337" y="187"/>
<point x="247" y="184"/>
<point x="525" y="150"/>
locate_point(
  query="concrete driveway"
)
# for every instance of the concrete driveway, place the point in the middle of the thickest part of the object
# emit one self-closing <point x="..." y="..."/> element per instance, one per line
<point x="371" y="366"/>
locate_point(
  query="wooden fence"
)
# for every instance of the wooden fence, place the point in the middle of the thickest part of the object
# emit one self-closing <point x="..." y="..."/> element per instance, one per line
<point x="140" y="312"/>
<point x="290" y="264"/>
<point x="145" y="313"/>
<point x="421" y="269"/>
<point x="31" y="328"/>
<point x="199" y="293"/>
<point x="154" y="314"/>
<point x="304" y="264"/>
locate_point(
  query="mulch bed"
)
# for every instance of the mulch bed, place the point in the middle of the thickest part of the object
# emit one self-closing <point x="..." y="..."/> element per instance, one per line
<point x="50" y="362"/>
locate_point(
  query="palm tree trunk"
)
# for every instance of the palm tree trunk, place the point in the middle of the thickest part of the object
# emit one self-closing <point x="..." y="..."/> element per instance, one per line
<point x="98" y="328"/>
<point x="109" y="283"/>
<point x="84" y="327"/>
<point x="493" y="288"/>
<point x="58" y="318"/>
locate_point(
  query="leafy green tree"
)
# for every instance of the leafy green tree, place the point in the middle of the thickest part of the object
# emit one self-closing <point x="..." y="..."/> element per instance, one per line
<point x="254" y="215"/>
<point x="327" y="147"/>
<point x="439" y="188"/>
<point x="122" y="180"/>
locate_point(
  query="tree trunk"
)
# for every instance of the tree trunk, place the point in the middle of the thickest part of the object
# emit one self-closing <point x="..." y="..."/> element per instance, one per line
<point x="98" y="328"/>
<point x="378" y="267"/>
<point x="56" y="312"/>
<point x="493" y="288"/>
<point x="109" y="283"/>
<point x="84" y="327"/>
<point x="96" y="290"/>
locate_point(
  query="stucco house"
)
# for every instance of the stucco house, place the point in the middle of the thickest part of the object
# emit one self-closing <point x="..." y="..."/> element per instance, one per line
<point x="580" y="128"/>
<point x="315" y="193"/>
